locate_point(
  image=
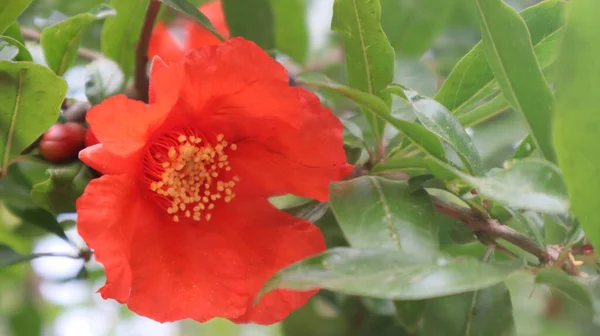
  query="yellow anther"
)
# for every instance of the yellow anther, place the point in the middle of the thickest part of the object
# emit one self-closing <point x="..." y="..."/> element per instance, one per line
<point x="190" y="177"/>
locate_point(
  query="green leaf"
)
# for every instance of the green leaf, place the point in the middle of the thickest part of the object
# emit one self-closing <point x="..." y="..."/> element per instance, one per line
<point x="525" y="148"/>
<point x="27" y="320"/>
<point x="473" y="74"/>
<point x="375" y="106"/>
<point x="532" y="184"/>
<point x="576" y="121"/>
<point x="484" y="112"/>
<point x="64" y="185"/>
<point x="401" y="162"/>
<point x="14" y="31"/>
<point x="567" y="285"/>
<point x="291" y="30"/>
<point x="369" y="55"/>
<point x="184" y="7"/>
<point x="509" y="51"/>
<point x="311" y="211"/>
<point x="10" y="11"/>
<point x="30" y="100"/>
<point x="487" y="312"/>
<point x="252" y="20"/>
<point x="14" y="187"/>
<point x="436" y="118"/>
<point x="22" y="52"/>
<point x="61" y="41"/>
<point x="8" y="256"/>
<point x="377" y="213"/>
<point x="120" y="32"/>
<point x="38" y="217"/>
<point x="412" y="26"/>
<point x="388" y="274"/>
<point x="410" y="313"/>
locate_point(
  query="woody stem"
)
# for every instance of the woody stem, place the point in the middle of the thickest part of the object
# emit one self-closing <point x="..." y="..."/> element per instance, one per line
<point x="141" y="53"/>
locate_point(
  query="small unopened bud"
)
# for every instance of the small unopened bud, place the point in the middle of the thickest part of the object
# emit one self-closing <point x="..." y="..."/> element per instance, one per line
<point x="62" y="142"/>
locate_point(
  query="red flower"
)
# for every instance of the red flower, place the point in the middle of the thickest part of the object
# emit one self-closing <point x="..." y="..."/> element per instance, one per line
<point x="164" y="44"/>
<point x="180" y="219"/>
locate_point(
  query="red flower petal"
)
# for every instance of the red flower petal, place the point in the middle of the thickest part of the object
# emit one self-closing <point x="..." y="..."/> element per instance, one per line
<point x="163" y="44"/>
<point x="123" y="125"/>
<point x="106" y="215"/>
<point x="302" y="162"/>
<point x="269" y="240"/>
<point x="185" y="270"/>
<point x="103" y="161"/>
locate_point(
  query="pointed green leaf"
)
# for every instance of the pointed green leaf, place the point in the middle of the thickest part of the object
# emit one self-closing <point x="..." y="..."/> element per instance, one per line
<point x="483" y="112"/>
<point x="532" y="184"/>
<point x="14" y="31"/>
<point x="120" y="32"/>
<point x="509" y="51"/>
<point x="22" y="54"/>
<point x="473" y="74"/>
<point x="252" y="20"/>
<point x="410" y="313"/>
<point x="369" y="55"/>
<point x="375" y="106"/>
<point x="8" y="256"/>
<point x="389" y="274"/>
<point x="38" y="217"/>
<point x="10" y="11"/>
<point x="436" y="118"/>
<point x="30" y="100"/>
<point x="61" y="40"/>
<point x="487" y="312"/>
<point x="291" y="30"/>
<point x="381" y="214"/>
<point x="184" y="7"/>
<point x="576" y="123"/>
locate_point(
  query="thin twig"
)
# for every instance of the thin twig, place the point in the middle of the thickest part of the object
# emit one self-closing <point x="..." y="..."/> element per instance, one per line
<point x="141" y="52"/>
<point x="489" y="229"/>
<point x="34" y="35"/>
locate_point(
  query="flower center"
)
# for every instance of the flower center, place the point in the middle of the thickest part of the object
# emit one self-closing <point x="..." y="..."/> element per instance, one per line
<point x="190" y="174"/>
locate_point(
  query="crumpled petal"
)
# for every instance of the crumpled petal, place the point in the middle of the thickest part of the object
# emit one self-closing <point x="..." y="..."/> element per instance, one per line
<point x="123" y="125"/>
<point x="269" y="240"/>
<point x="108" y="212"/>
<point x="185" y="270"/>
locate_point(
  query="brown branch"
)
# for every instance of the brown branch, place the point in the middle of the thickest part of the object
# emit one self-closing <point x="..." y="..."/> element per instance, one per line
<point x="141" y="52"/>
<point x="76" y="111"/>
<point x="487" y="229"/>
<point x="34" y="35"/>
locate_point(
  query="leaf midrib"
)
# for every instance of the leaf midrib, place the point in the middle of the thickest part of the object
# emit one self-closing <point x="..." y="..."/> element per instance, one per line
<point x="13" y="121"/>
<point x="363" y="49"/>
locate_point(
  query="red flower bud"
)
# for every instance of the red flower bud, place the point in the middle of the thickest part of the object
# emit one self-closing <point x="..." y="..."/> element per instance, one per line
<point x="62" y="142"/>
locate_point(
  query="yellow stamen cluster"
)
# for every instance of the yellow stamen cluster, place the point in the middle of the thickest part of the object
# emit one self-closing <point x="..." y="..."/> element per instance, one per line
<point x="190" y="179"/>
